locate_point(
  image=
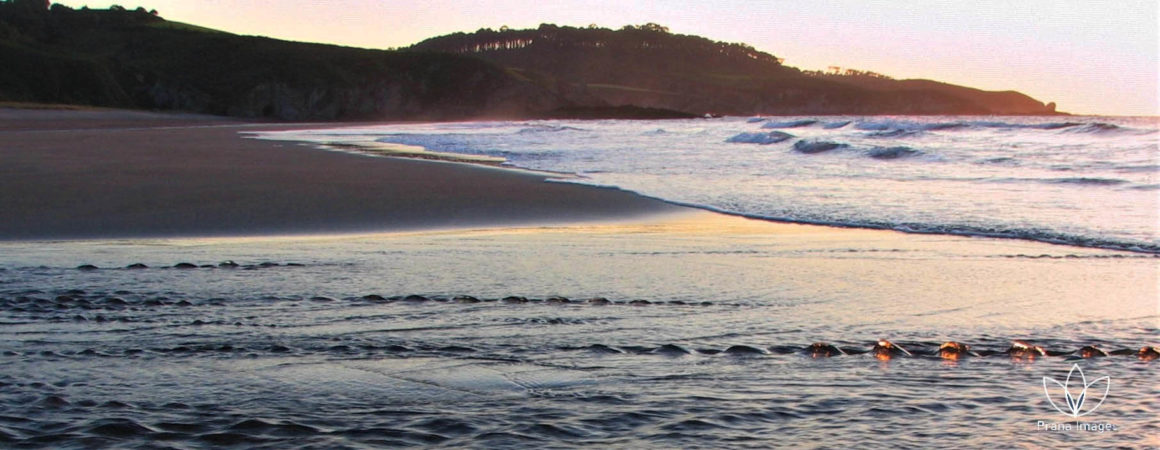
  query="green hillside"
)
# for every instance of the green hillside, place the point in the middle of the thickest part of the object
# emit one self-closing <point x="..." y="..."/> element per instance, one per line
<point x="135" y="59"/>
<point x="649" y="66"/>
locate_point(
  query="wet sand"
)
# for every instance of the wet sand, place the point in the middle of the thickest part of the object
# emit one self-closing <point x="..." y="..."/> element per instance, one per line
<point x="121" y="174"/>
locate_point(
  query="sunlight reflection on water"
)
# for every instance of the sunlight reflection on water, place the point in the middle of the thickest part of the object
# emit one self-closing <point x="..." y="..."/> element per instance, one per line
<point x="296" y="355"/>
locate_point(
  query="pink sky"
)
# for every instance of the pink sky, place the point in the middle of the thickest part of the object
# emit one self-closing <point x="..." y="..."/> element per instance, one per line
<point x="1090" y="57"/>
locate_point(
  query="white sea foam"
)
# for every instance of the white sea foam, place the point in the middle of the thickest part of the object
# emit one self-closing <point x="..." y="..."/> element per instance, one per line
<point x="1081" y="180"/>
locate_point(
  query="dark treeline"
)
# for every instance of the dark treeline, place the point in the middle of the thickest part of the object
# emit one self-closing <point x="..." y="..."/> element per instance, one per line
<point x="653" y="41"/>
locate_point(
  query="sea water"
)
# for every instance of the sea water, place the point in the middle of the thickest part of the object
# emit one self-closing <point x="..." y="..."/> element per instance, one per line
<point x="361" y="341"/>
<point x="1088" y="181"/>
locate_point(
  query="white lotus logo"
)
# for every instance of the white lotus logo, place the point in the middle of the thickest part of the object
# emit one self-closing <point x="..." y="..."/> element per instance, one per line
<point x="1075" y="402"/>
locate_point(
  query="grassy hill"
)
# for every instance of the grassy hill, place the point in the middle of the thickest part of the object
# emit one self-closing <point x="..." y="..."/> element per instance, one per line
<point x="135" y="59"/>
<point x="649" y="66"/>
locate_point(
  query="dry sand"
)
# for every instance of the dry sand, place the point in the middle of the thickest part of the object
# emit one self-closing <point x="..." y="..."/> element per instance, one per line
<point x="106" y="174"/>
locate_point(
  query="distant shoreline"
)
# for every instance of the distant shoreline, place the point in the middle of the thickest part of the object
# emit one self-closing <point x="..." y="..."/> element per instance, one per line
<point x="622" y="112"/>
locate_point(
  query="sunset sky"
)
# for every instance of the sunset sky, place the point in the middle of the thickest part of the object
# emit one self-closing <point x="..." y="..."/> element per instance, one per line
<point x="1090" y="57"/>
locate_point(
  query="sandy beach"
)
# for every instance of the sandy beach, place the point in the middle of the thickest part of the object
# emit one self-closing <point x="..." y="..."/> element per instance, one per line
<point x="105" y="173"/>
<point x="164" y="279"/>
<point x="645" y="225"/>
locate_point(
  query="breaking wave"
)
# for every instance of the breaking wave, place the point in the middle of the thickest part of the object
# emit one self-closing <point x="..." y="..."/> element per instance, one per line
<point x="790" y="124"/>
<point x="902" y="126"/>
<point x="896" y="133"/>
<point x="772" y="137"/>
<point x="892" y="152"/>
<point x="1096" y="127"/>
<point x="1090" y="181"/>
<point x="1076" y="181"/>
<point x="813" y="146"/>
<point x="890" y="125"/>
<point x="535" y="128"/>
<point x="1027" y="234"/>
<point x="1038" y="126"/>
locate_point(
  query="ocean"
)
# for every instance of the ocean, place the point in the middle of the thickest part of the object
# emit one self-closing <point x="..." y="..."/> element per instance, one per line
<point x="1040" y="230"/>
<point x="1086" y="181"/>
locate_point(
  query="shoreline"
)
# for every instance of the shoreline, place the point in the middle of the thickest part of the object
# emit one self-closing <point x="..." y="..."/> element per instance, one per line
<point x="376" y="149"/>
<point x="125" y="174"/>
<point x="108" y="201"/>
